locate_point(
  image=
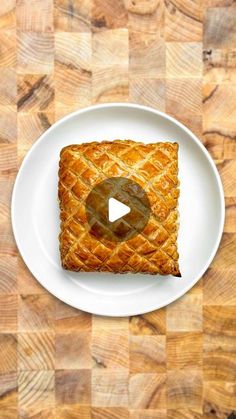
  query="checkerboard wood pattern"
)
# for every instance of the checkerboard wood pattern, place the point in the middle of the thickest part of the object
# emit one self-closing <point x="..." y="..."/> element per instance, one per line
<point x="177" y="56"/>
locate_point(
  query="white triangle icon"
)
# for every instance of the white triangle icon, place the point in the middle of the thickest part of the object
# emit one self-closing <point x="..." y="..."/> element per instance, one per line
<point x="116" y="209"/>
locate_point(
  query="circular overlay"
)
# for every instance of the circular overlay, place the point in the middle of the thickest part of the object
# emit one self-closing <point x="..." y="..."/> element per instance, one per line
<point x="129" y="193"/>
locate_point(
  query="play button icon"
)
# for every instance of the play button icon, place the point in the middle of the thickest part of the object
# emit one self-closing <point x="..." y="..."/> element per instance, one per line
<point x="117" y="209"/>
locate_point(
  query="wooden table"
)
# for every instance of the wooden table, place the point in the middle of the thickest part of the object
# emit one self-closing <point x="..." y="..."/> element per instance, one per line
<point x="178" y="56"/>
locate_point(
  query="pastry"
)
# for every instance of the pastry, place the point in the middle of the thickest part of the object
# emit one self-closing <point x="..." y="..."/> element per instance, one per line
<point x="154" y="167"/>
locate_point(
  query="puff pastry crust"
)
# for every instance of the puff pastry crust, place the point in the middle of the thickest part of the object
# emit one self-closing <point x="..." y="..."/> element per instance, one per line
<point x="155" y="168"/>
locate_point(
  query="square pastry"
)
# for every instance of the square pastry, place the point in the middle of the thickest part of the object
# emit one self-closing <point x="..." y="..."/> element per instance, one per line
<point x="143" y="179"/>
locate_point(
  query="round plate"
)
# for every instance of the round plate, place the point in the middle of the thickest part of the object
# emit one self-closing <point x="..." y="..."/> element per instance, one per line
<point x="35" y="212"/>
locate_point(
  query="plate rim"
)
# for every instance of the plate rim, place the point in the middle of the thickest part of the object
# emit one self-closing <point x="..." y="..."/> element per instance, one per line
<point x="80" y="112"/>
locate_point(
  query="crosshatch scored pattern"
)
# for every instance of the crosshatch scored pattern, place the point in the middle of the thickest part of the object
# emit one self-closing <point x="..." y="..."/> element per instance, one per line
<point x="177" y="56"/>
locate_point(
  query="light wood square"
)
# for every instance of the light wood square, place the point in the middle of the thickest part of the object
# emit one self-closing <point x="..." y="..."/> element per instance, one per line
<point x="36" y="393"/>
<point x="228" y="167"/>
<point x="8" y="351"/>
<point x="184" y="97"/>
<point x="8" y="313"/>
<point x="184" y="389"/>
<point x="69" y="319"/>
<point x="7" y="14"/>
<point x="8" y="274"/>
<point x="76" y="411"/>
<point x="35" y="15"/>
<point x="226" y="252"/>
<point x="27" y="283"/>
<point x="73" y="350"/>
<point x="110" y="85"/>
<point x="148" y="414"/>
<point x="73" y="51"/>
<point x="153" y="323"/>
<point x="73" y="387"/>
<point x="147" y="391"/>
<point x="35" y="93"/>
<point x="8" y="395"/>
<point x="147" y="55"/>
<point x="183" y="413"/>
<point x="109" y="413"/>
<point x="184" y="350"/>
<point x="108" y="14"/>
<point x="110" y="349"/>
<point x="149" y="92"/>
<point x="219" y="102"/>
<point x="213" y="140"/>
<point x="183" y="21"/>
<point x="35" y="53"/>
<point x="230" y="225"/>
<point x="8" y="48"/>
<point x="110" y="48"/>
<point x="72" y="90"/>
<point x="36" y="313"/>
<point x="219" y="319"/>
<point x="109" y="388"/>
<point x="110" y="323"/>
<point x="219" y="28"/>
<point x="219" y="397"/>
<point x="36" y="351"/>
<point x="72" y="19"/>
<point x="183" y="60"/>
<point x="147" y="16"/>
<point x="219" y="66"/>
<point x="218" y="286"/>
<point x="8" y="87"/>
<point x="185" y="314"/>
<point x="31" y="126"/>
<point x="8" y="127"/>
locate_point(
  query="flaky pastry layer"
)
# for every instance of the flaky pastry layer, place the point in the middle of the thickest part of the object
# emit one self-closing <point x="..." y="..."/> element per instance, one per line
<point x="155" y="168"/>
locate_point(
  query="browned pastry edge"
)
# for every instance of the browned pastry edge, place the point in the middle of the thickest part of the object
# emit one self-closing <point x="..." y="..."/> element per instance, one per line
<point x="70" y="264"/>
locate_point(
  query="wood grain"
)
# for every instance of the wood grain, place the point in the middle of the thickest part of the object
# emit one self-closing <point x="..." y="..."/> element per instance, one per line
<point x="35" y="93"/>
<point x="73" y="387"/>
<point x="36" y="312"/>
<point x="36" y="351"/>
<point x="72" y="16"/>
<point x="147" y="391"/>
<point x="7" y="14"/>
<point x="109" y="413"/>
<point x="183" y="20"/>
<point x="147" y="354"/>
<point x="34" y="16"/>
<point x="153" y="323"/>
<point x="185" y="315"/>
<point x="109" y="349"/>
<point x="8" y="350"/>
<point x="8" y="395"/>
<point x="146" y="16"/>
<point x="73" y="350"/>
<point x="220" y="30"/>
<point x="57" y="56"/>
<point x="35" y="53"/>
<point x="110" y="388"/>
<point x="184" y="389"/>
<point x="183" y="60"/>
<point x="36" y="393"/>
<point x="184" y="350"/>
<point x="8" y="48"/>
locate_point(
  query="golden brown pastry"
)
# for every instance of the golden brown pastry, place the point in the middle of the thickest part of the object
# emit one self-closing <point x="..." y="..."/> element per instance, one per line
<point x="154" y="167"/>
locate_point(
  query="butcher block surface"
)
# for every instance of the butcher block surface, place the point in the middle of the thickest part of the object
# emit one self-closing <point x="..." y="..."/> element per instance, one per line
<point x="178" y="56"/>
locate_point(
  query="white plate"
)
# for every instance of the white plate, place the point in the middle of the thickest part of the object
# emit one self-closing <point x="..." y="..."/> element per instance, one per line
<point x="35" y="214"/>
